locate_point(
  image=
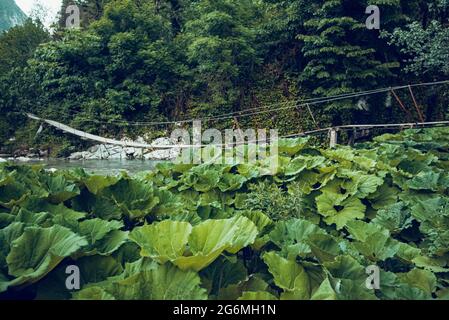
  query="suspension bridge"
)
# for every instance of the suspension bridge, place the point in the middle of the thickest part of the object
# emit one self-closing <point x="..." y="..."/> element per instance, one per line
<point x="331" y="131"/>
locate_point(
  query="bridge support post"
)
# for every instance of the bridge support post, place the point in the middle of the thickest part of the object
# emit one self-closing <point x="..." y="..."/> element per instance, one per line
<point x="333" y="138"/>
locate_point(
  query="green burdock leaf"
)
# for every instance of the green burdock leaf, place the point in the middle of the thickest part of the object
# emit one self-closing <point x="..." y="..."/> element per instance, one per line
<point x="155" y="282"/>
<point x="136" y="199"/>
<point x="432" y="264"/>
<point x="421" y="279"/>
<point x="98" y="268"/>
<point x="407" y="252"/>
<point x="42" y="219"/>
<point x="7" y="236"/>
<point x="289" y="276"/>
<point x="433" y="215"/>
<point x="39" y="250"/>
<point x="210" y="238"/>
<point x="93" y="269"/>
<point x="59" y="189"/>
<point x="395" y="218"/>
<point x="60" y="214"/>
<point x="95" y="184"/>
<point x="96" y="229"/>
<point x="325" y="292"/>
<point x="346" y="267"/>
<point x="104" y="237"/>
<point x="194" y="247"/>
<point x="324" y="247"/>
<point x="223" y="272"/>
<point x="425" y="180"/>
<point x="384" y="197"/>
<point x="344" y="155"/>
<point x="261" y="220"/>
<point x="163" y="241"/>
<point x="292" y="236"/>
<point x="99" y="206"/>
<point x="110" y="243"/>
<point x="334" y="190"/>
<point x="231" y="182"/>
<point x="201" y="178"/>
<point x="301" y="163"/>
<point x="348" y="279"/>
<point x="348" y="210"/>
<point x="359" y="184"/>
<point x="14" y="194"/>
<point x="6" y="177"/>
<point x="292" y="146"/>
<point x="374" y="242"/>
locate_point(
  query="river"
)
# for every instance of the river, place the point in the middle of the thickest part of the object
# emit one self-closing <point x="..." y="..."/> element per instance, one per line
<point x="97" y="166"/>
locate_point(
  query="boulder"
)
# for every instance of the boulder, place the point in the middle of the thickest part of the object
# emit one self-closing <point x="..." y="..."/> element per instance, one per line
<point x="112" y="152"/>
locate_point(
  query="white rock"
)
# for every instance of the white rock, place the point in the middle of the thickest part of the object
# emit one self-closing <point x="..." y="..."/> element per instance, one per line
<point x="112" y="152"/>
<point x="78" y="155"/>
<point x="163" y="154"/>
<point x="23" y="159"/>
<point x="2" y="160"/>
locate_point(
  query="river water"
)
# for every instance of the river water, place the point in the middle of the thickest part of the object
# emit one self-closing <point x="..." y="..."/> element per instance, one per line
<point x="105" y="167"/>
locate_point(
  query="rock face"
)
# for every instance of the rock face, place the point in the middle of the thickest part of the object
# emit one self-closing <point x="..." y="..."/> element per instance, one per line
<point x="10" y="15"/>
<point x="110" y="152"/>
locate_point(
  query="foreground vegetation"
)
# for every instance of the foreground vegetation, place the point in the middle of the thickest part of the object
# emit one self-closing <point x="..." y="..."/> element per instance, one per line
<point x="234" y="232"/>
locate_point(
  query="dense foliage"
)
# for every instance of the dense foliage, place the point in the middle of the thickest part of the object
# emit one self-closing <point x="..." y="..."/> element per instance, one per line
<point x="196" y="232"/>
<point x="173" y="59"/>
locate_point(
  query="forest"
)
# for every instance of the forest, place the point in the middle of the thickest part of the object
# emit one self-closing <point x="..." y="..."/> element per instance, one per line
<point x="156" y="61"/>
<point x="361" y="218"/>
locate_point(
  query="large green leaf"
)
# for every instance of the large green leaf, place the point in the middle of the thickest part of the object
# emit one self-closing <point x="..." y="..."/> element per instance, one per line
<point x="158" y="282"/>
<point x="163" y="241"/>
<point x="136" y="199"/>
<point x="194" y="247"/>
<point x="289" y="276"/>
<point x="59" y="189"/>
<point x="38" y="251"/>
<point x="96" y="183"/>
<point x="210" y="238"/>
<point x="292" y="236"/>
<point x="348" y="210"/>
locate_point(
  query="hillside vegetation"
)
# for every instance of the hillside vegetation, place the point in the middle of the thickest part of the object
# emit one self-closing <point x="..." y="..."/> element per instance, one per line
<point x="181" y="59"/>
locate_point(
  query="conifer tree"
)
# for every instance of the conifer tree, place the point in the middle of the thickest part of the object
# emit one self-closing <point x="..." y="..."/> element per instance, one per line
<point x="340" y="53"/>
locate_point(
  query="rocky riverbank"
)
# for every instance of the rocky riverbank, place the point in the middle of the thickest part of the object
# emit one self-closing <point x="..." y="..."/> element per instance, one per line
<point x="108" y="152"/>
<point x="111" y="152"/>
